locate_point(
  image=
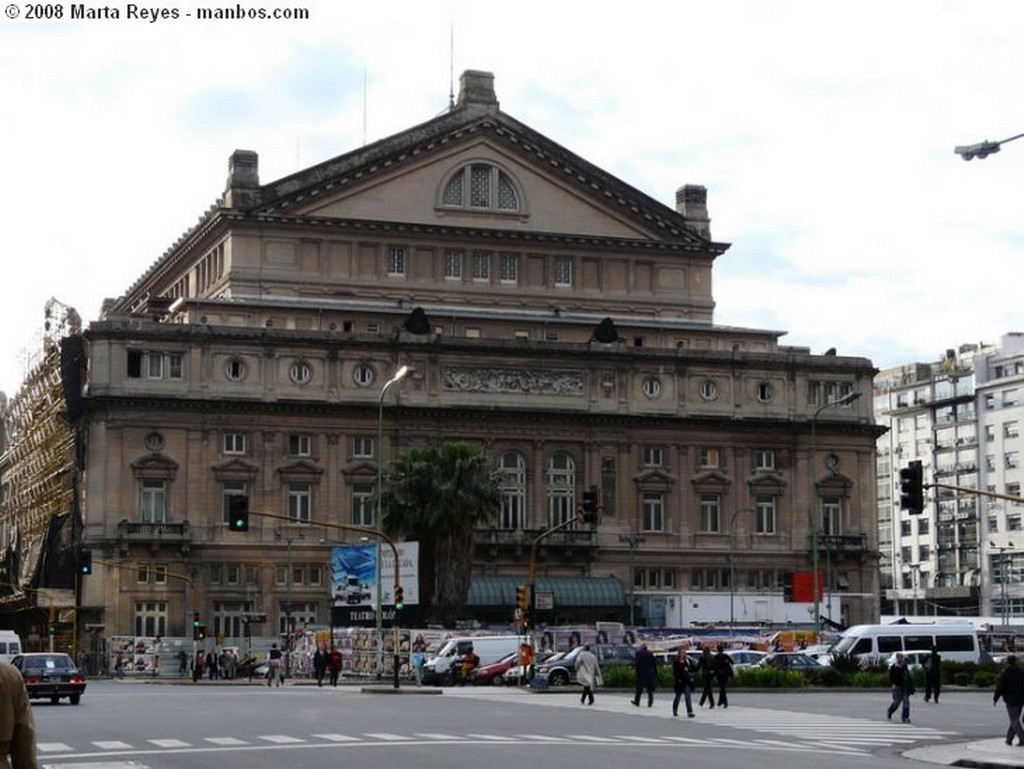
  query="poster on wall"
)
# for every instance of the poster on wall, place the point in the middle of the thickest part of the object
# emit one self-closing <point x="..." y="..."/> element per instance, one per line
<point x="354" y="581"/>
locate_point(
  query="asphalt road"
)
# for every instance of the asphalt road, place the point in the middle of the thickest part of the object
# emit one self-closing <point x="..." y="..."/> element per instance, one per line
<point x="133" y="725"/>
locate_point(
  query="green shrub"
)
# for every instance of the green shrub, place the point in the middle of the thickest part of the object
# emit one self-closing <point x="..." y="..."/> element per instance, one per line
<point x="845" y="663"/>
<point x="769" y="678"/>
<point x="618" y="676"/>
<point x="984" y="678"/>
<point x="962" y="679"/>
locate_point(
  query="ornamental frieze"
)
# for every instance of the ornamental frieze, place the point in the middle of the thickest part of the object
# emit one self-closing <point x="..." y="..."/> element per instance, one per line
<point x="513" y="381"/>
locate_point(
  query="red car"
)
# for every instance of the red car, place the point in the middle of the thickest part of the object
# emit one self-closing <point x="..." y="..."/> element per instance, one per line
<point x="493" y="674"/>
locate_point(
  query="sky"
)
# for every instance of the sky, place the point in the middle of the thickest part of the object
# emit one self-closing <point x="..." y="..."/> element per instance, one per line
<point x="823" y="131"/>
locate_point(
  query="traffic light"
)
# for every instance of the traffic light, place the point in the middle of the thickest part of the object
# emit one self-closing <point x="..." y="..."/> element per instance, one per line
<point x="787" y="587"/>
<point x="523" y="597"/>
<point x="85" y="561"/>
<point x="197" y="625"/>
<point x="399" y="600"/>
<point x="590" y="506"/>
<point x="201" y="633"/>
<point x="238" y="512"/>
<point x="912" y="488"/>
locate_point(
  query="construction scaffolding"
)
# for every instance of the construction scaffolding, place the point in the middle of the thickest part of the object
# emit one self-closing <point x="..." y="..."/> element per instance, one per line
<point x="38" y="472"/>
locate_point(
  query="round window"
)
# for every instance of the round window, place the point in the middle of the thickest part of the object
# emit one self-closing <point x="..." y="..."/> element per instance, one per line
<point x="235" y="370"/>
<point x="708" y="390"/>
<point x="363" y="375"/>
<point x="301" y="372"/>
<point x="765" y="392"/>
<point x="652" y="387"/>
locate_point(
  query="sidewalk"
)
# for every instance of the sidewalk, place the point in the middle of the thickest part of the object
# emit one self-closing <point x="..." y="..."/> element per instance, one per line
<point x="994" y="753"/>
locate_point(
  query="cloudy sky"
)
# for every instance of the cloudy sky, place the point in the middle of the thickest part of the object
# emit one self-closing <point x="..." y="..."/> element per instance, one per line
<point x="824" y="133"/>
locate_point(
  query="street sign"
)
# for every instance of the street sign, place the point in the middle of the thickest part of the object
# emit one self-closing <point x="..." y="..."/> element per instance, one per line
<point x="543" y="600"/>
<point x="255" y="619"/>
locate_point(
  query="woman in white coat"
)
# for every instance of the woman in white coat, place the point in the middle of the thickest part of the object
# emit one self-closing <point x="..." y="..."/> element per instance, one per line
<point x="588" y="673"/>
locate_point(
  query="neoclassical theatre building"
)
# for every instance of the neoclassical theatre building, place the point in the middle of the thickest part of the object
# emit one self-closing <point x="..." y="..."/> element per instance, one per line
<point x="548" y="311"/>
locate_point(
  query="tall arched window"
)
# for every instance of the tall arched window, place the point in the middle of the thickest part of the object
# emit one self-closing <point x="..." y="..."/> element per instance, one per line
<point x="482" y="187"/>
<point x="561" y="488"/>
<point x="513" y="491"/>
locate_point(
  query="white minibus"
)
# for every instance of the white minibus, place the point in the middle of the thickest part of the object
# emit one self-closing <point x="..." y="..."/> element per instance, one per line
<point x="488" y="648"/>
<point x="874" y="644"/>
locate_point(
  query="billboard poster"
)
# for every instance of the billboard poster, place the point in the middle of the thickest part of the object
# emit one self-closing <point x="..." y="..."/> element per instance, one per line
<point x="354" y="581"/>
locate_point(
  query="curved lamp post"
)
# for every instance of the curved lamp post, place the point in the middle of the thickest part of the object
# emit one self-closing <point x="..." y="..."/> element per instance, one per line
<point x="982" y="150"/>
<point x="732" y="563"/>
<point x="843" y="400"/>
<point x="398" y="376"/>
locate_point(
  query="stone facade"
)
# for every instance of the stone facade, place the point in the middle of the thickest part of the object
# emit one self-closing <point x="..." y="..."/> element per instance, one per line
<point x="549" y="311"/>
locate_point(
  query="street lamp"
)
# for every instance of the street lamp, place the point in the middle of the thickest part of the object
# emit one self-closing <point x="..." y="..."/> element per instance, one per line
<point x="843" y="400"/>
<point x="1002" y="576"/>
<point x="982" y="150"/>
<point x="399" y="375"/>
<point x="632" y="540"/>
<point x="732" y="563"/>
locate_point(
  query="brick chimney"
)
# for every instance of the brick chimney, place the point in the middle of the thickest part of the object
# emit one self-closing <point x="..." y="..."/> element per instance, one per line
<point x="692" y="203"/>
<point x="476" y="90"/>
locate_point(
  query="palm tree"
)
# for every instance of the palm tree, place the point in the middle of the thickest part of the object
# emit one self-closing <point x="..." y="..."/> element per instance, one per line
<point x="437" y="496"/>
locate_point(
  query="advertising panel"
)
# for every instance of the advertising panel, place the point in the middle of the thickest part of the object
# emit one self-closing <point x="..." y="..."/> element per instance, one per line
<point x="354" y="581"/>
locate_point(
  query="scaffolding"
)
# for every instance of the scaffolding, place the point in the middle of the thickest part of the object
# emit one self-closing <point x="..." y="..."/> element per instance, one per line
<point x="37" y="463"/>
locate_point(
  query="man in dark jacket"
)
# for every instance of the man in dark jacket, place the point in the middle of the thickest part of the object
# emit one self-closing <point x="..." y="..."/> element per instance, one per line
<point x="706" y="667"/>
<point x="723" y="672"/>
<point x="646" y="668"/>
<point x="932" y="675"/>
<point x="1010" y="687"/>
<point x="902" y="687"/>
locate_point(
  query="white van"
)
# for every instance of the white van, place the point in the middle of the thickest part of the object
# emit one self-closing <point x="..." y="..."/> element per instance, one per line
<point x="489" y="648"/>
<point x="10" y="645"/>
<point x="874" y="644"/>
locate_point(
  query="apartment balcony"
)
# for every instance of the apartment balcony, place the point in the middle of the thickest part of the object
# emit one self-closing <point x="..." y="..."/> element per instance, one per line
<point x="153" y="535"/>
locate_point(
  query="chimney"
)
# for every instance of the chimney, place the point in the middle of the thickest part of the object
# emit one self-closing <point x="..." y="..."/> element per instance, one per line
<point x="692" y="203"/>
<point x="243" y="182"/>
<point x="476" y="89"/>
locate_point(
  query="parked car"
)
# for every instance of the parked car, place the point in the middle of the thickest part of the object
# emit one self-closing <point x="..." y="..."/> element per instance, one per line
<point x="790" y="661"/>
<point x="50" y="675"/>
<point x="562" y="671"/>
<point x="745" y="658"/>
<point x="492" y="674"/>
<point x="515" y="675"/>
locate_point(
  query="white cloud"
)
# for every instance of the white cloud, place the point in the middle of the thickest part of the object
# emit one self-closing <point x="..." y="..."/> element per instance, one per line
<point x="824" y="134"/>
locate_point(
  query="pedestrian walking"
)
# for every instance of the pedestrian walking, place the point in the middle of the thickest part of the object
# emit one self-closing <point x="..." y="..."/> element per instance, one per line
<point x="706" y="669"/>
<point x="682" y="679"/>
<point x="723" y="672"/>
<point x="645" y="666"/>
<point x="588" y="674"/>
<point x="932" y="675"/>
<point x="902" y="688"/>
<point x="334" y="665"/>
<point x="320" y="659"/>
<point x="17" y="725"/>
<point x="275" y="673"/>
<point x="1010" y="687"/>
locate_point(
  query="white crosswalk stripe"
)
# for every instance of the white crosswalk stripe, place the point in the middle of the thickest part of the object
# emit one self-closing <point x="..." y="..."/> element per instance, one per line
<point x="335" y="737"/>
<point x="225" y="741"/>
<point x="52" y="747"/>
<point x="170" y="743"/>
<point x="280" y="739"/>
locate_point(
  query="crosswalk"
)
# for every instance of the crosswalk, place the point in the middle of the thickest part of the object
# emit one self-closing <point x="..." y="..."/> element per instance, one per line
<point x="774" y="731"/>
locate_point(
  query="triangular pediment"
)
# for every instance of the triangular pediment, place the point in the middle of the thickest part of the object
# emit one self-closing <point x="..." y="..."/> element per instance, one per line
<point x="234" y="468"/>
<point x="155" y="466"/>
<point x="654" y="477"/>
<point x="300" y="470"/>
<point x="402" y="178"/>
<point x="360" y="468"/>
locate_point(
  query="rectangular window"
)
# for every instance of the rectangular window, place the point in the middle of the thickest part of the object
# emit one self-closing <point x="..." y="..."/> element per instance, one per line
<point x="831" y="516"/>
<point x="234" y="443"/>
<point x="764" y="460"/>
<point x="396" y="261"/>
<point x="653" y="517"/>
<point x="232" y="573"/>
<point x="231" y="490"/>
<point x="710" y="513"/>
<point x="563" y="271"/>
<point x="151" y="618"/>
<point x="175" y="365"/>
<point x="1011" y="429"/>
<point x="709" y="459"/>
<point x="315" y="574"/>
<point x="362" y="505"/>
<point x="509" y="268"/>
<point x="764" y="512"/>
<point x="362" y="446"/>
<point x="155" y="365"/>
<point x="482" y="266"/>
<point x="453" y="264"/>
<point x="300" y="445"/>
<point x="652" y="456"/>
<point x="300" y="502"/>
<point x="153" y="505"/>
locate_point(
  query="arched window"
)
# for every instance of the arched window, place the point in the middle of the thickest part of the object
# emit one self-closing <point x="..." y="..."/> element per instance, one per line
<point x="561" y="488"/>
<point x="513" y="491"/>
<point x="482" y="187"/>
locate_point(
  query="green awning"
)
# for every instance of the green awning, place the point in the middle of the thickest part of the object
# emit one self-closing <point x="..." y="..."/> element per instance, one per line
<point x="568" y="591"/>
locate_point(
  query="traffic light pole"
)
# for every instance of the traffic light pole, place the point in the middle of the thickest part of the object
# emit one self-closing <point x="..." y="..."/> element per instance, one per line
<point x="578" y="518"/>
<point x="370" y="532"/>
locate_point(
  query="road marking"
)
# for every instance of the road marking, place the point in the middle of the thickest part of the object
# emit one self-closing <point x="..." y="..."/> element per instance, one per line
<point x="590" y="738"/>
<point x="225" y="741"/>
<point x="112" y="745"/>
<point x="52" y="747"/>
<point x="491" y="737"/>
<point x="335" y="737"/>
<point x="280" y="739"/>
<point x="634" y="738"/>
<point x="388" y="736"/>
<point x="170" y="743"/>
<point x="98" y="765"/>
<point x="439" y="736"/>
<point x="541" y="738"/>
